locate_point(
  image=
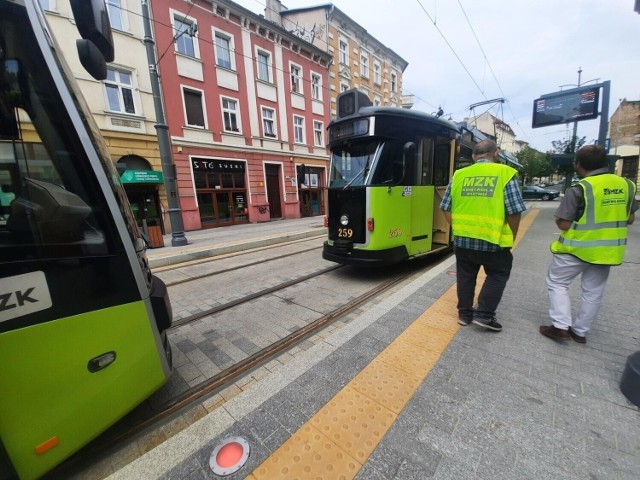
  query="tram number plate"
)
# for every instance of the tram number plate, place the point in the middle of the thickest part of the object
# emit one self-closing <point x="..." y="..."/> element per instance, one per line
<point x="23" y="294"/>
<point x="345" y="233"/>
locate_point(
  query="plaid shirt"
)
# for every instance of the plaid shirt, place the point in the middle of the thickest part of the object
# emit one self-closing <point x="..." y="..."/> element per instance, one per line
<point x="513" y="204"/>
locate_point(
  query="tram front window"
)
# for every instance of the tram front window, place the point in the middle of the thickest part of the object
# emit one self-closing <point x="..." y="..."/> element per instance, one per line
<point x="350" y="164"/>
<point x="372" y="163"/>
<point x="50" y="204"/>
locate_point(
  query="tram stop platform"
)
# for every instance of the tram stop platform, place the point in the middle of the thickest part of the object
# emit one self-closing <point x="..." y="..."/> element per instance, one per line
<point x="403" y="392"/>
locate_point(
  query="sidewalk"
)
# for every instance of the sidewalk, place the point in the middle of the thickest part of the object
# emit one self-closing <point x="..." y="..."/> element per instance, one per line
<point x="511" y="405"/>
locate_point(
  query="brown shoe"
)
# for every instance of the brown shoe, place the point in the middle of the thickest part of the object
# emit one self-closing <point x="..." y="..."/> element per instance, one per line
<point x="553" y="332"/>
<point x="577" y="337"/>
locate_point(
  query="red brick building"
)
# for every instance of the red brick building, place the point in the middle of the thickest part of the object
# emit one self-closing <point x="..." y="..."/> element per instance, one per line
<point x="246" y="104"/>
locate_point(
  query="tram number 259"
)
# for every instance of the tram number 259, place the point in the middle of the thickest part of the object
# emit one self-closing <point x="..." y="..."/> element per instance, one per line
<point x="345" y="233"/>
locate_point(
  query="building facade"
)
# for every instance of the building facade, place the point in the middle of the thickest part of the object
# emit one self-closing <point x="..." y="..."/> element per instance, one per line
<point x="247" y="106"/>
<point x="359" y="60"/>
<point x="500" y="131"/>
<point x="122" y="104"/>
<point x="624" y="134"/>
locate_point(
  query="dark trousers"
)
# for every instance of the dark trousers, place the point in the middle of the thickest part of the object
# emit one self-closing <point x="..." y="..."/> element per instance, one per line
<point x="497" y="266"/>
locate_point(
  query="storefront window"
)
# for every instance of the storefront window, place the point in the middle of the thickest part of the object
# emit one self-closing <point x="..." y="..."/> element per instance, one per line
<point x="220" y="186"/>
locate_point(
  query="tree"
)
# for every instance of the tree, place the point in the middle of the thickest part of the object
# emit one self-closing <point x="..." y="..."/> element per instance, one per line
<point x="535" y="163"/>
<point x="570" y="145"/>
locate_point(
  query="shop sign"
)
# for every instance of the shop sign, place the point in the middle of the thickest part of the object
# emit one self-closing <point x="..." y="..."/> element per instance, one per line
<point x="225" y="166"/>
<point x="141" y="176"/>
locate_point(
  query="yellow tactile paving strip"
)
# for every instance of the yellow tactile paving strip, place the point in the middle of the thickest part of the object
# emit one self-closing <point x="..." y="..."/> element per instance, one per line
<point x="340" y="437"/>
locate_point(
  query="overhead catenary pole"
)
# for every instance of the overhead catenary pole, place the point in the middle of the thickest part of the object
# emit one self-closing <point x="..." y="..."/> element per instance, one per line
<point x="178" y="237"/>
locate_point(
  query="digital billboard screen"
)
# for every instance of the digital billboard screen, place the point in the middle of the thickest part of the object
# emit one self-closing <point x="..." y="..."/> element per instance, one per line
<point x="566" y="107"/>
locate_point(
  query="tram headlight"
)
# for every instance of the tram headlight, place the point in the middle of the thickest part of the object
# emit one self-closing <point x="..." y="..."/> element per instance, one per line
<point x="344" y="220"/>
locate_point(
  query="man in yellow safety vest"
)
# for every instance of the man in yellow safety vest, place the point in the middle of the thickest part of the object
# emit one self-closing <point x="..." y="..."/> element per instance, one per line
<point x="593" y="216"/>
<point x="483" y="204"/>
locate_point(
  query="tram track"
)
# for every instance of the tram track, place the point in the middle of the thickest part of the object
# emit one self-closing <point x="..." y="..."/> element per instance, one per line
<point x="178" y="267"/>
<point x="250" y="297"/>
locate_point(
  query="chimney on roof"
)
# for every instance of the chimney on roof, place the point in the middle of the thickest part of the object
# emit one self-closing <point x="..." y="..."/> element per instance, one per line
<point x="272" y="11"/>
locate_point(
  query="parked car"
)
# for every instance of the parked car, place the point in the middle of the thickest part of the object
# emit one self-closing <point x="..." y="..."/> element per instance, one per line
<point x="539" y="193"/>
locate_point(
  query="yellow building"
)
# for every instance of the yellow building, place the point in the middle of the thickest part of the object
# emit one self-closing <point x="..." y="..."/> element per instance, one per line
<point x="122" y="104"/>
<point x="359" y="60"/>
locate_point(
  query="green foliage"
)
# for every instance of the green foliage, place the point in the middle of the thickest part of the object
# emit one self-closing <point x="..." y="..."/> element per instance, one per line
<point x="570" y="145"/>
<point x="535" y="163"/>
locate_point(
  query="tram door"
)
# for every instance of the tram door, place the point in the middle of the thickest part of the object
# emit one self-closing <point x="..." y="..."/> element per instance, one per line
<point x="273" y="190"/>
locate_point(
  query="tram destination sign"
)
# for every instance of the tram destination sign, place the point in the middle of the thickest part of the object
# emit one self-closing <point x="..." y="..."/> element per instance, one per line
<point x="566" y="107"/>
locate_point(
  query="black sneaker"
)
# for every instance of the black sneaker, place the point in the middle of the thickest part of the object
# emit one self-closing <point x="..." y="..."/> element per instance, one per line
<point x="464" y="321"/>
<point x="488" y="323"/>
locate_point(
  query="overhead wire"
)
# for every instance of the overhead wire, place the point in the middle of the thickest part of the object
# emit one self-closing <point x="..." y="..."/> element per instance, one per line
<point x="489" y="65"/>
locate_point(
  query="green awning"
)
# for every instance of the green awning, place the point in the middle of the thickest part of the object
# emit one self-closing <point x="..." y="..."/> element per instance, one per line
<point x="141" y="176"/>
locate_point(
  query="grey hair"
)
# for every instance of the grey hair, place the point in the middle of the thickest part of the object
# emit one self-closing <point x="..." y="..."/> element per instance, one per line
<point x="485" y="146"/>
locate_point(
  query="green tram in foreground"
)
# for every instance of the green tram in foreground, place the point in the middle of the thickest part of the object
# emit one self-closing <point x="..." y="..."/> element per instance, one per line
<point x="389" y="169"/>
<point x="82" y="320"/>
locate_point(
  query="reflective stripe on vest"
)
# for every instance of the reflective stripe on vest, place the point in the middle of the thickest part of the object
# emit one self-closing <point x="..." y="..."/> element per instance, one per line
<point x="600" y="235"/>
<point x="478" y="203"/>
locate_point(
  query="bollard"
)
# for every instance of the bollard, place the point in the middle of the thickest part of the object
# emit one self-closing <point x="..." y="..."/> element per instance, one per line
<point x="630" y="381"/>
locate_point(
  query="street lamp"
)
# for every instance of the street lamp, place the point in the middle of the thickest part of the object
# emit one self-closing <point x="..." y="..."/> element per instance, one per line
<point x="178" y="238"/>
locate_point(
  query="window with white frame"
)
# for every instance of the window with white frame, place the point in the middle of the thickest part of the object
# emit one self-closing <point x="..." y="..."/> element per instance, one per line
<point x="120" y="93"/>
<point x="394" y="82"/>
<point x="298" y="129"/>
<point x="268" y="122"/>
<point x="224" y="47"/>
<point x="115" y="14"/>
<point x="264" y="66"/>
<point x="194" y="111"/>
<point x="364" y="65"/>
<point x="296" y="78"/>
<point x="230" y="114"/>
<point x="344" y="51"/>
<point x="377" y="101"/>
<point x="377" y="73"/>
<point x="316" y="86"/>
<point x="344" y="87"/>
<point x="318" y="134"/>
<point x="184" y="32"/>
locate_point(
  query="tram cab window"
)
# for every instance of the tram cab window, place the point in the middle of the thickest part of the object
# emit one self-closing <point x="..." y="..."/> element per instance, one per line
<point x="390" y="164"/>
<point x="425" y="161"/>
<point x="441" y="164"/>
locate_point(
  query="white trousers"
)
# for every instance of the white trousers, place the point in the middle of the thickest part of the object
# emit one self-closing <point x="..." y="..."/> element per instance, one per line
<point x="562" y="270"/>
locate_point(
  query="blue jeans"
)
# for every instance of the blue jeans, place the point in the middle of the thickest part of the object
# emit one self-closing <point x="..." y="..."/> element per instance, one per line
<point x="497" y="266"/>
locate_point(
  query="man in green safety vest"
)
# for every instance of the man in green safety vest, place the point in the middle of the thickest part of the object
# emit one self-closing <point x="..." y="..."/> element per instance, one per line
<point x="483" y="204"/>
<point x="593" y="216"/>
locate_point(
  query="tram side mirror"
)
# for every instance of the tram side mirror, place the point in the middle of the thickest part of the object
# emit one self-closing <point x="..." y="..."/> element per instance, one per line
<point x="95" y="48"/>
<point x="91" y="59"/>
<point x="48" y="210"/>
<point x="13" y="94"/>
<point x="301" y="174"/>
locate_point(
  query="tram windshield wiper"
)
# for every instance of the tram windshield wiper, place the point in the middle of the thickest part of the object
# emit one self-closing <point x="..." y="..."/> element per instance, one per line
<point x="362" y="173"/>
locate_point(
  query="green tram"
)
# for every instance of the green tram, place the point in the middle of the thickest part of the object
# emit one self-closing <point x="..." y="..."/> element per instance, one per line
<point x="389" y="169"/>
<point x="82" y="320"/>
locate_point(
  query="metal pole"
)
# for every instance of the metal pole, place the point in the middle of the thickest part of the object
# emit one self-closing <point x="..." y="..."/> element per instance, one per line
<point x="162" y="130"/>
<point x="575" y="124"/>
<point x="604" y="114"/>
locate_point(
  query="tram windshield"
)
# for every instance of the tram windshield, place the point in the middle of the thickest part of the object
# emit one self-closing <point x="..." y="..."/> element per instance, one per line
<point x="373" y="162"/>
<point x="51" y="204"/>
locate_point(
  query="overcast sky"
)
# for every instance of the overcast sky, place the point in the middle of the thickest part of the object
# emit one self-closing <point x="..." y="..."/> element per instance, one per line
<point x="512" y="49"/>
